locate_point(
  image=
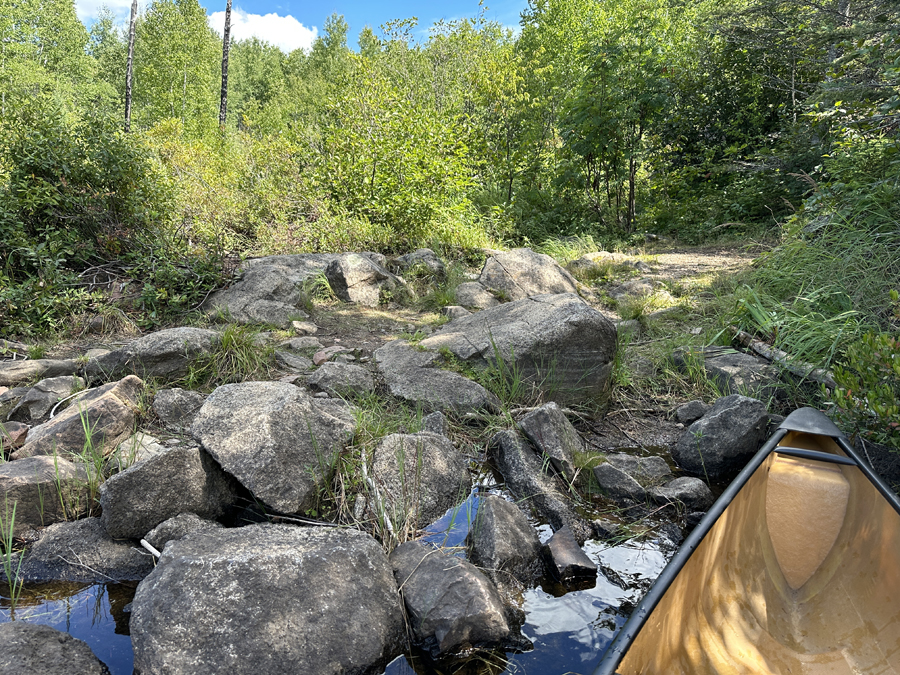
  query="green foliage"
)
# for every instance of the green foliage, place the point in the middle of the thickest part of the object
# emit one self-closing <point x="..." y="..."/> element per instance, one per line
<point x="238" y="357"/>
<point x="867" y="399"/>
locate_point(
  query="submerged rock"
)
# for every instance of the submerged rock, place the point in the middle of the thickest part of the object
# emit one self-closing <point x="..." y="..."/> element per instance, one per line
<point x="300" y="601"/>
<point x="567" y="560"/>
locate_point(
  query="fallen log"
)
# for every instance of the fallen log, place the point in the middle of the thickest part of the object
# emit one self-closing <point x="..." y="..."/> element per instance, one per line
<point x="775" y="355"/>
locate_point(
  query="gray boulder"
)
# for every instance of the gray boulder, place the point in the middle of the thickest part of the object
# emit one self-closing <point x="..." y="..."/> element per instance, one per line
<point x="411" y="375"/>
<point x="132" y="450"/>
<point x="294" y="362"/>
<point x="165" y="353"/>
<point x="566" y="559"/>
<point x="690" y="412"/>
<point x="35" y="649"/>
<point x="14" y="373"/>
<point x="555" y="438"/>
<point x="503" y="543"/>
<point x="278" y="441"/>
<point x="341" y="380"/>
<point x="300" y="601"/>
<point x="475" y="296"/>
<point x="522" y="273"/>
<point x="44" y="490"/>
<point x="522" y="473"/>
<point x="107" y="411"/>
<point x="647" y="471"/>
<point x="176" y="407"/>
<point x="269" y="290"/>
<point x="419" y="476"/>
<point x="691" y="493"/>
<point x="556" y="343"/>
<point x="36" y="405"/>
<point x="177" y="528"/>
<point x="178" y="480"/>
<point x="355" y="277"/>
<point x="422" y="260"/>
<point x="721" y="442"/>
<point x="9" y="399"/>
<point x="82" y="551"/>
<point x="436" y="423"/>
<point x="450" y="604"/>
<point x="617" y="485"/>
<point x="633" y="289"/>
<point x="733" y="372"/>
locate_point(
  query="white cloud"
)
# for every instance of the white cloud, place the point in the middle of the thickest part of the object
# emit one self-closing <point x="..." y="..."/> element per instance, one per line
<point x="282" y="31"/>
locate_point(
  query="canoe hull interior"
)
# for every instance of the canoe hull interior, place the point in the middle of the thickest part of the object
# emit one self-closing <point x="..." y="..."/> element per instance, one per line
<point x="768" y="591"/>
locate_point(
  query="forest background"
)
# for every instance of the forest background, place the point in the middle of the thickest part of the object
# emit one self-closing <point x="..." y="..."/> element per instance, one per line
<point x="596" y="120"/>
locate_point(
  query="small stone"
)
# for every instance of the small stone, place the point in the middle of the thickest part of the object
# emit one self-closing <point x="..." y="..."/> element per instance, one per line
<point x="304" y="327"/>
<point x="321" y="394"/>
<point x="301" y="344"/>
<point x="455" y="311"/>
<point x="293" y="361"/>
<point x="12" y="435"/>
<point x="566" y="559"/>
<point x="326" y="354"/>
<point x="690" y="412"/>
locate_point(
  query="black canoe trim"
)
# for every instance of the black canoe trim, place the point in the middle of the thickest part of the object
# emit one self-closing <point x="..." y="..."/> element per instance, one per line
<point x="807" y="420"/>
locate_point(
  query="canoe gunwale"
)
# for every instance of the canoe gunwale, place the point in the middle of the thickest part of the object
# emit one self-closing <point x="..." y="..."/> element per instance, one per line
<point x="806" y="420"/>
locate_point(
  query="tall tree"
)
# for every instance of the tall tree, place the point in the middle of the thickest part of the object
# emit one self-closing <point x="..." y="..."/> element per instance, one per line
<point x="226" y="44"/>
<point x="129" y="66"/>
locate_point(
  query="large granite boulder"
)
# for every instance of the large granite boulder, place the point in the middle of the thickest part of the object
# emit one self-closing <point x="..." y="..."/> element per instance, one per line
<point x="35" y="649"/>
<point x="721" y="442"/>
<point x="413" y="376"/>
<point x="172" y="482"/>
<point x="522" y="273"/>
<point x="268" y="599"/>
<point x="82" y="551"/>
<point x="269" y="290"/>
<point x="108" y="412"/>
<point x="419" y="476"/>
<point x="355" y="277"/>
<point x="14" y="373"/>
<point x="278" y="441"/>
<point x="450" y="603"/>
<point x="556" y="343"/>
<point x="166" y="353"/>
<point x="44" y="490"/>
<point x="503" y="543"/>
<point x="40" y="400"/>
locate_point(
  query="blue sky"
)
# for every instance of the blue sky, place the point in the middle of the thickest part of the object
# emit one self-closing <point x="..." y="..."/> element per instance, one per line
<point x="293" y="24"/>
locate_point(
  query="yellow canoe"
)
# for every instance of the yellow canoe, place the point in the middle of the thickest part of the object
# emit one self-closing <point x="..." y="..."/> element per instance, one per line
<point x="795" y="569"/>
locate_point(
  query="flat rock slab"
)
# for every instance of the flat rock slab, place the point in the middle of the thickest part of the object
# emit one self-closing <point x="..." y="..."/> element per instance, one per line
<point x="566" y="559"/>
<point x="734" y="372"/>
<point x="35" y="649"/>
<point x="278" y="441"/>
<point x="269" y="290"/>
<point x="556" y="343"/>
<point x="503" y="543"/>
<point x="172" y="482"/>
<point x="82" y="551"/>
<point x="412" y="375"/>
<point x="108" y="411"/>
<point x="450" y="603"/>
<point x="166" y="353"/>
<point x="14" y="373"/>
<point x="522" y="273"/>
<point x="300" y="601"/>
<point x="44" y="490"/>
<point x="721" y="442"/>
<point x="419" y="476"/>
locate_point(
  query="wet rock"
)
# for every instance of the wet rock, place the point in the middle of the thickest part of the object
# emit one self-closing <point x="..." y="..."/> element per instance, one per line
<point x="165" y="353"/>
<point x="721" y="442"/>
<point x="278" y="441"/>
<point x="341" y="380"/>
<point x="13" y="435"/>
<point x="108" y="411"/>
<point x="35" y="649"/>
<point x="556" y="343"/>
<point x="357" y="278"/>
<point x="177" y="528"/>
<point x="82" y="551"/>
<point x="522" y="273"/>
<point x="645" y="470"/>
<point x="450" y="604"/>
<point x="691" y="493"/>
<point x="36" y="405"/>
<point x="435" y="423"/>
<point x="605" y="530"/>
<point x="503" y="543"/>
<point x="522" y="473"/>
<point x="691" y="520"/>
<point x="455" y="311"/>
<point x="565" y="558"/>
<point x="555" y="438"/>
<point x="269" y="290"/>
<point x="14" y="373"/>
<point x="617" y="485"/>
<point x="409" y="375"/>
<point x="423" y="259"/>
<point x="172" y="482"/>
<point x="176" y="408"/>
<point x="43" y="490"/>
<point x="301" y="601"/>
<point x="691" y="411"/>
<point x="419" y="476"/>
<point x="473" y="295"/>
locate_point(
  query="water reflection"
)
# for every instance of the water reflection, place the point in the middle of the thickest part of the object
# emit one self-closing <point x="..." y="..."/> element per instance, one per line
<point x="97" y="614"/>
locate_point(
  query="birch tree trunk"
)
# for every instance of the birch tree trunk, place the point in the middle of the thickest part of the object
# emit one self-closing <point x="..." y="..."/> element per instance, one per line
<point x="223" y="104"/>
<point x="128" y="67"/>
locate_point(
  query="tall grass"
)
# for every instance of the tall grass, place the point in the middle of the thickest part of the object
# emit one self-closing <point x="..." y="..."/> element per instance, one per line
<point x="7" y="539"/>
